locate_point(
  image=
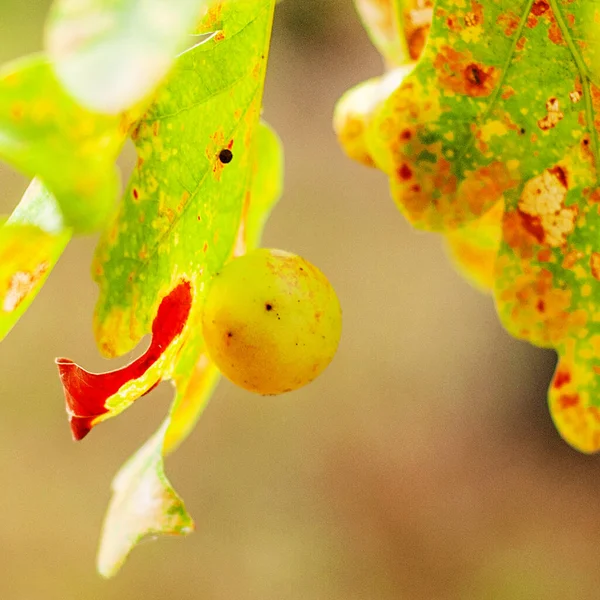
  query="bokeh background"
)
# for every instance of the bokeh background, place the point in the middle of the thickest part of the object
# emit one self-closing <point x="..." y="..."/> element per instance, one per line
<point x="422" y="465"/>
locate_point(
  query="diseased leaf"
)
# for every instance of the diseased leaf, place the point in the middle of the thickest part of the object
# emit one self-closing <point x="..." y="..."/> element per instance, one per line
<point x="31" y="242"/>
<point x="206" y="177"/>
<point x="181" y="210"/>
<point x="144" y="502"/>
<point x="501" y="115"/>
<point x="45" y="134"/>
<point x="110" y="54"/>
<point x="179" y="218"/>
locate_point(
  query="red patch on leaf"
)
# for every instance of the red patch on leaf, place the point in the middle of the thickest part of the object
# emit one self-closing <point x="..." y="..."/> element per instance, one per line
<point x="561" y="378"/>
<point x="540" y="7"/>
<point x="567" y="401"/>
<point x="86" y="393"/>
<point x="404" y="172"/>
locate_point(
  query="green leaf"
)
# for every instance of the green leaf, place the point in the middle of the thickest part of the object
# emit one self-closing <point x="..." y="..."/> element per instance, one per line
<point x="47" y="135"/>
<point x="110" y="54"/>
<point x="206" y="177"/>
<point x="265" y="190"/>
<point x="500" y="116"/>
<point x="144" y="502"/>
<point x="31" y="242"/>
<point x="182" y="207"/>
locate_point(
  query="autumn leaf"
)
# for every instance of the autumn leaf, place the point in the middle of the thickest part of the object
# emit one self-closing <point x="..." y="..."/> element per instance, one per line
<point x="207" y="175"/>
<point x="492" y="140"/>
<point x="111" y="55"/>
<point x="31" y="242"/>
<point x="180" y="213"/>
<point x="144" y="502"/>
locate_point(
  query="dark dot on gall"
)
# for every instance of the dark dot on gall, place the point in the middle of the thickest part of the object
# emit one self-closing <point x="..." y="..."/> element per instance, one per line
<point x="225" y="156"/>
<point x="268" y="306"/>
<point x="522" y="130"/>
<point x="229" y="334"/>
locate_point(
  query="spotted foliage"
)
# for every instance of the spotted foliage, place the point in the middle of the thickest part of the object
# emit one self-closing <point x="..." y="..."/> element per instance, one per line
<point x="491" y="139"/>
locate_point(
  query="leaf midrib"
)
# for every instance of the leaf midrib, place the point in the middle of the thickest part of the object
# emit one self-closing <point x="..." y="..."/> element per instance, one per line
<point x="505" y="67"/>
<point x="586" y="81"/>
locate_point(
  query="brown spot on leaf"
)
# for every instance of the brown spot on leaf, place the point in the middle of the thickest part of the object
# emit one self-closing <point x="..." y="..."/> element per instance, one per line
<point x="571" y="258"/>
<point x="543" y="210"/>
<point x="555" y="34"/>
<point x="225" y="156"/>
<point x="540" y="7"/>
<point x="21" y="285"/>
<point x="544" y="255"/>
<point x="404" y="172"/>
<point x="476" y="79"/>
<point x="417" y="23"/>
<point x="533" y="225"/>
<point x="560" y="174"/>
<point x="507" y="93"/>
<point x="459" y="72"/>
<point x="135" y="132"/>
<point x="416" y="42"/>
<point x="475" y="16"/>
<point x="509" y="22"/>
<point x="553" y="116"/>
<point x="566" y="401"/>
<point x="562" y="377"/>
<point x="595" y="265"/>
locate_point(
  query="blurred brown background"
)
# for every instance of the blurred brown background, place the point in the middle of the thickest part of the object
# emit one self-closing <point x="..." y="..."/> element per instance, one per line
<point x="422" y="465"/>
